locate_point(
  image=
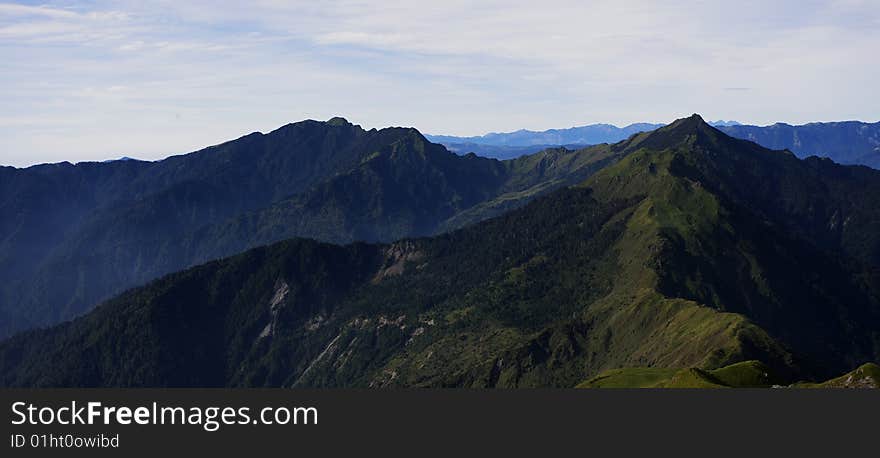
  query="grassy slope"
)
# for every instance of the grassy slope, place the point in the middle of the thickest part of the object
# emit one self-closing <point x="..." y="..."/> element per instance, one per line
<point x="711" y="248"/>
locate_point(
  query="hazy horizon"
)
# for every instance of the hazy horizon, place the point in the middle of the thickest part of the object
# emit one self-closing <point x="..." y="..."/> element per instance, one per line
<point x="91" y="81"/>
<point x="152" y="157"/>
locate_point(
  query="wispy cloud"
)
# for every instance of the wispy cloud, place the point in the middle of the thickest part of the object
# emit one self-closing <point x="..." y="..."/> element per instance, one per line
<point x="9" y="9"/>
<point x="98" y="79"/>
<point x="24" y="24"/>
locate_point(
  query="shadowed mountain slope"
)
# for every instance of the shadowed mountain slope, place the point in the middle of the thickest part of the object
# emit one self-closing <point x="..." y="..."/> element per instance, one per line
<point x="73" y="235"/>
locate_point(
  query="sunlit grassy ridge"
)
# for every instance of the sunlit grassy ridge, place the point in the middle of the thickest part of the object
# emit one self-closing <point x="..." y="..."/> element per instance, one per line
<point x="746" y="374"/>
<point x="865" y="376"/>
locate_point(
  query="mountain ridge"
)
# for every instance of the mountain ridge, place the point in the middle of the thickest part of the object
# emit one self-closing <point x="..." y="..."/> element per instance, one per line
<point x="660" y="259"/>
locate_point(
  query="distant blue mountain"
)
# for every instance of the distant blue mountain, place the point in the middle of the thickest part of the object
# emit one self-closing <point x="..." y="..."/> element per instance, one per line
<point x="723" y="123"/>
<point x="584" y="135"/>
<point x="849" y="142"/>
<point x="123" y="158"/>
<point x="502" y="152"/>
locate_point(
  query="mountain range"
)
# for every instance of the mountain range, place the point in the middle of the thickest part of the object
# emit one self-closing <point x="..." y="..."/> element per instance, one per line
<point x="677" y="248"/>
<point x="503" y="152"/>
<point x="590" y="135"/>
<point x="72" y="236"/>
<point x="849" y="142"/>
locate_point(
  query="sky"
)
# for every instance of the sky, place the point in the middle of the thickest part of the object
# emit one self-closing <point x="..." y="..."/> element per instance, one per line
<point x="94" y="80"/>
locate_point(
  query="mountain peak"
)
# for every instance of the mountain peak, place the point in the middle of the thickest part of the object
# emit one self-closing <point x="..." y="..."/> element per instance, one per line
<point x="338" y="121"/>
<point x="680" y="130"/>
<point x="693" y="121"/>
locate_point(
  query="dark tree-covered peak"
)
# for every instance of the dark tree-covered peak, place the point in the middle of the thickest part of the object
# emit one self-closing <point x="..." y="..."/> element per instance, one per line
<point x="338" y="121"/>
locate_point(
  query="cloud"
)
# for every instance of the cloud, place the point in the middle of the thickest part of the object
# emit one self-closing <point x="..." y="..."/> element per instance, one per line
<point x="361" y="39"/>
<point x="10" y="9"/>
<point x="22" y="25"/>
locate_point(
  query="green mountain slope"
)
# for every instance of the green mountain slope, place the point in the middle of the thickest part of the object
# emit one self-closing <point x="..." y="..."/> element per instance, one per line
<point x="726" y="233"/>
<point x="451" y="311"/>
<point x="655" y="261"/>
<point x="73" y="235"/>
